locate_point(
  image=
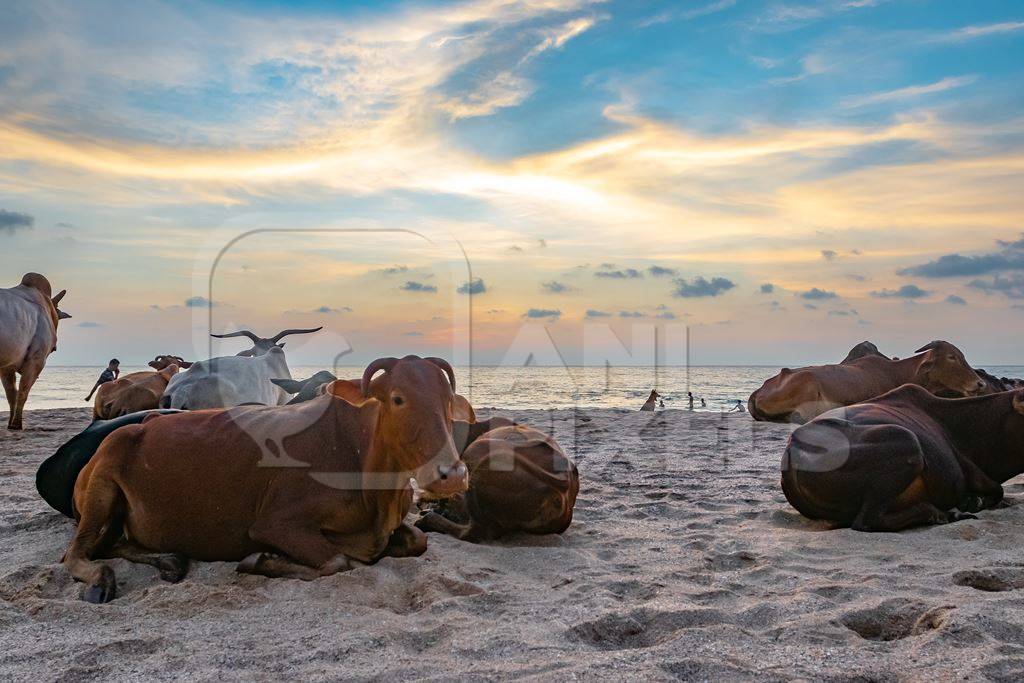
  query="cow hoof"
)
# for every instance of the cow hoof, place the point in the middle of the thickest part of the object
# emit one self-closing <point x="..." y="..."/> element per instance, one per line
<point x="956" y="516"/>
<point x="104" y="590"/>
<point x="971" y="504"/>
<point x="253" y="563"/>
<point x="15" y="427"/>
<point x="173" y="568"/>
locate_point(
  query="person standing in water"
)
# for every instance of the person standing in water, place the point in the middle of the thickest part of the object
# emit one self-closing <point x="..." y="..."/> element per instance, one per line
<point x="109" y="374"/>
<point x="689" y="398"/>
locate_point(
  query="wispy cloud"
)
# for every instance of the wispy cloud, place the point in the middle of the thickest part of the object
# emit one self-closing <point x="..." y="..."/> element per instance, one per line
<point x="910" y="91"/>
<point x="979" y="31"/>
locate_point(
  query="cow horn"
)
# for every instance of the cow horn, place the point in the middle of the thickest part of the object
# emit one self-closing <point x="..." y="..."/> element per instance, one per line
<point x="929" y="346"/>
<point x="384" y="364"/>
<point x="446" y="366"/>
<point x="60" y="295"/>
<point x="240" y="333"/>
<point x="284" y="333"/>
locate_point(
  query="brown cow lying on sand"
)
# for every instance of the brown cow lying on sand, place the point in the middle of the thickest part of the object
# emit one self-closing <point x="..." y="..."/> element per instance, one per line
<point x="802" y="394"/>
<point x="905" y="458"/>
<point x="196" y="485"/>
<point x="519" y="481"/>
<point x="161" y="362"/>
<point x="130" y="394"/>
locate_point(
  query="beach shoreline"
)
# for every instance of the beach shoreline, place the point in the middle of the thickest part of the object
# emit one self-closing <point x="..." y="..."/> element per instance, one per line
<point x="684" y="562"/>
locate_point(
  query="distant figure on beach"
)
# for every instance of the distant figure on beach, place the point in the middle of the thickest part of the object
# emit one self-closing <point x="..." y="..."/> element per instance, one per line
<point x="652" y="402"/>
<point x="689" y="398"/>
<point x="703" y="403"/>
<point x="738" y="408"/>
<point x="111" y="372"/>
<point x="661" y="404"/>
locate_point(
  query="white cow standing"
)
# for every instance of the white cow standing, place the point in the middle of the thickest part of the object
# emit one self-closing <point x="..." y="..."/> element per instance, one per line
<point x="229" y="381"/>
<point x="28" y="335"/>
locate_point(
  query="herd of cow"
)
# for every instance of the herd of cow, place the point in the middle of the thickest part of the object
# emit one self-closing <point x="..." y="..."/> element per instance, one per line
<point x="232" y="467"/>
<point x="885" y="444"/>
<point x="231" y="459"/>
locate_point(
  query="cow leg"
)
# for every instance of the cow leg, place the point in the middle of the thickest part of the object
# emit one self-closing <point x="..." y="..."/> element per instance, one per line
<point x="406" y="541"/>
<point x="982" y="492"/>
<point x="9" y="380"/>
<point x="309" y="554"/>
<point x="172" y="566"/>
<point x="99" y="524"/>
<point x="28" y="378"/>
<point x="438" y="523"/>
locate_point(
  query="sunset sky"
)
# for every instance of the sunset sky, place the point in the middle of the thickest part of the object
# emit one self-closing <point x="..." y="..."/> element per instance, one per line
<point x="785" y="178"/>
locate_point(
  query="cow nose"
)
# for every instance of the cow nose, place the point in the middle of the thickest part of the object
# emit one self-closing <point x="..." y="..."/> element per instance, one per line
<point x="456" y="472"/>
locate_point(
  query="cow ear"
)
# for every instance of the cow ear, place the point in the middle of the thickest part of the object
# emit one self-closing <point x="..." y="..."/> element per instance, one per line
<point x="348" y="391"/>
<point x="170" y="371"/>
<point x="291" y="386"/>
<point x="1018" y="401"/>
<point x="462" y="410"/>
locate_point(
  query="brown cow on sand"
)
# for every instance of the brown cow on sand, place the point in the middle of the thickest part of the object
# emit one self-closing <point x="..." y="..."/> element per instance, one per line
<point x="651" y="403"/>
<point x="906" y="458"/>
<point x="519" y="481"/>
<point x="130" y="394"/>
<point x="362" y="444"/>
<point x="800" y="395"/>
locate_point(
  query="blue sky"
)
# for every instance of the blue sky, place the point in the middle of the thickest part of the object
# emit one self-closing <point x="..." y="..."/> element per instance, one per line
<point x="838" y="146"/>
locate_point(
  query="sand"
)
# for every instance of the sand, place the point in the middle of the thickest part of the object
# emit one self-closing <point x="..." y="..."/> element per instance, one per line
<point x="684" y="562"/>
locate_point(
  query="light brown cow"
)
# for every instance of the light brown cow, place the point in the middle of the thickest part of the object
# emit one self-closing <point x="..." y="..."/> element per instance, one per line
<point x="802" y="394"/>
<point x="196" y="484"/>
<point x="130" y="394"/>
<point x="520" y="480"/>
<point x="28" y="335"/>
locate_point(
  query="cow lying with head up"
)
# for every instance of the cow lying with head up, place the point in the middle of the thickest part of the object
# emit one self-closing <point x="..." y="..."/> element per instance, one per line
<point x="520" y="480"/>
<point x="904" y="459"/>
<point x="163" y="362"/>
<point x="802" y="394"/>
<point x="131" y="393"/>
<point x="361" y="444"/>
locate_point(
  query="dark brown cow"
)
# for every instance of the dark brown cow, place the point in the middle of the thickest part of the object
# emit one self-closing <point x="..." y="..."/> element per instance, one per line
<point x="130" y="394"/>
<point x="161" y="362"/>
<point x="802" y="394"/>
<point x="519" y="481"/>
<point x="197" y="485"/>
<point x="652" y="402"/>
<point x="905" y="458"/>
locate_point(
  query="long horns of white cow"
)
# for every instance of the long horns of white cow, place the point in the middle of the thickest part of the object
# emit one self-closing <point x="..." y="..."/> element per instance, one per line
<point x="284" y="333"/>
<point x="240" y="333"/>
<point x="60" y="295"/>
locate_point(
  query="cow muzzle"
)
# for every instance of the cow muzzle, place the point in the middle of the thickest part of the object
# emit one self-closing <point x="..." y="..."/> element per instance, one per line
<point x="447" y="480"/>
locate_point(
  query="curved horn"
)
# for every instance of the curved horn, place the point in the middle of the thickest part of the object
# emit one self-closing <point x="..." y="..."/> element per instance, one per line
<point x="60" y="295"/>
<point x="384" y="364"/>
<point x="446" y="366"/>
<point x="240" y="333"/>
<point x="929" y="346"/>
<point x="284" y="333"/>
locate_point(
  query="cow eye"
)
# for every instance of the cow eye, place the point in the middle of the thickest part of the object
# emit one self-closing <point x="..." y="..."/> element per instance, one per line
<point x="397" y="400"/>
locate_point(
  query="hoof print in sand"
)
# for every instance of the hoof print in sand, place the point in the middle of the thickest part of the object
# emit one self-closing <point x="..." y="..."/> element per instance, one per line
<point x="896" y="619"/>
<point x="992" y="579"/>
<point x="640" y="628"/>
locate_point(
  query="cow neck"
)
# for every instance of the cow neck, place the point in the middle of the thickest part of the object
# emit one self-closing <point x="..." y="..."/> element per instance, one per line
<point x="907" y="368"/>
<point x="383" y="466"/>
<point x="981" y="430"/>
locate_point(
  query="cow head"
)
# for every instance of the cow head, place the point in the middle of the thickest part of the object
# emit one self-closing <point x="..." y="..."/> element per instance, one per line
<point x="414" y="422"/>
<point x="161" y="362"/>
<point x="945" y="372"/>
<point x="260" y="345"/>
<point x="306" y="389"/>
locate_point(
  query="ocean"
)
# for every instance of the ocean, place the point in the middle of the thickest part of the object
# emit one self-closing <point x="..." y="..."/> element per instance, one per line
<point x="518" y="388"/>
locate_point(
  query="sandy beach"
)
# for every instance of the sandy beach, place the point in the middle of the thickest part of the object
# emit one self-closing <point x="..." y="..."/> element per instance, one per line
<point x="684" y="562"/>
